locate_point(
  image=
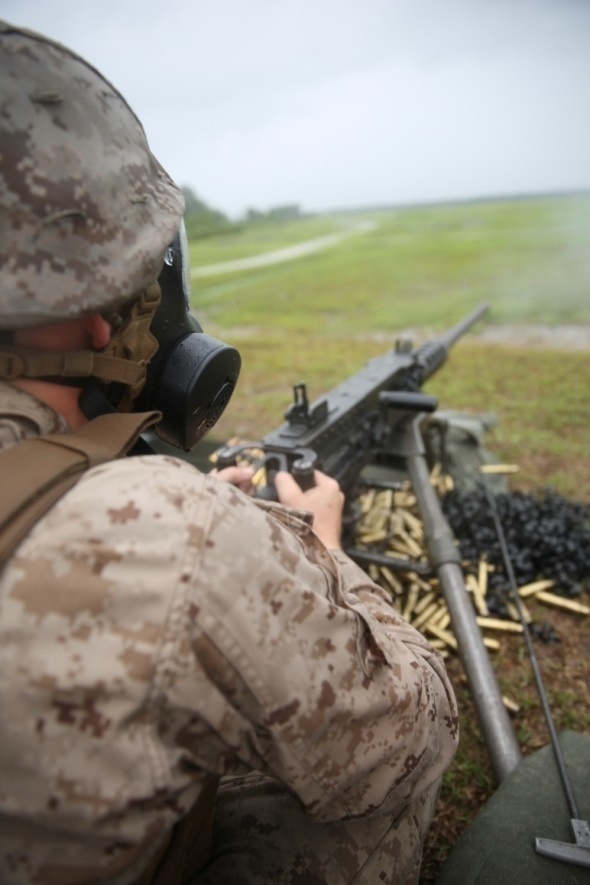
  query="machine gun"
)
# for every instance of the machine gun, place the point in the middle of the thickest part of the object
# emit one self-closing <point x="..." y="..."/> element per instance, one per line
<point x="372" y="420"/>
<point x="356" y="423"/>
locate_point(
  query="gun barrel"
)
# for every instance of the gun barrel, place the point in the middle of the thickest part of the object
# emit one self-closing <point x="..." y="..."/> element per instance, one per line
<point x="431" y="355"/>
<point x="448" y="338"/>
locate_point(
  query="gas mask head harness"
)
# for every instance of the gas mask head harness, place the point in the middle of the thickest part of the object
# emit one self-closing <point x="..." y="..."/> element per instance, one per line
<point x="191" y="375"/>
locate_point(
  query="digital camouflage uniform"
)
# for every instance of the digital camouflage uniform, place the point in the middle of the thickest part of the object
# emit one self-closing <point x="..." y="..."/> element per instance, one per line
<point x="159" y="627"/>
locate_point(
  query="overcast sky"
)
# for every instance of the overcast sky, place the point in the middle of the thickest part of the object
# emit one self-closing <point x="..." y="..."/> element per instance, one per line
<point x="344" y="103"/>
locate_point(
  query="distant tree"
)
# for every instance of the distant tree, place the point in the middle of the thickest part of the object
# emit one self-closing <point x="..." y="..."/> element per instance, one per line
<point x="201" y="220"/>
<point x="253" y="215"/>
<point x="288" y="212"/>
<point x="193" y="205"/>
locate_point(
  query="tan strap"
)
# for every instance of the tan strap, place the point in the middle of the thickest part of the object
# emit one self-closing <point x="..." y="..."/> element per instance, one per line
<point x="31" y="362"/>
<point x="37" y="472"/>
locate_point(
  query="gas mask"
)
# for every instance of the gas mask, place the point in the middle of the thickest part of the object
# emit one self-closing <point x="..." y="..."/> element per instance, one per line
<point x="192" y="376"/>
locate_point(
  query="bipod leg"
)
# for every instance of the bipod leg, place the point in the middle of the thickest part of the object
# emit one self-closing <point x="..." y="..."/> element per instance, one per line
<point x="495" y="723"/>
<point x="568" y="852"/>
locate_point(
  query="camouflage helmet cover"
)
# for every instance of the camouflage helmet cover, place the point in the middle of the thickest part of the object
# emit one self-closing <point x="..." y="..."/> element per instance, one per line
<point x="86" y="210"/>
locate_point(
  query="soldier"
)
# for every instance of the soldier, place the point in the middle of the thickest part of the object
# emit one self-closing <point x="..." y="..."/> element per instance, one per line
<point x="171" y="648"/>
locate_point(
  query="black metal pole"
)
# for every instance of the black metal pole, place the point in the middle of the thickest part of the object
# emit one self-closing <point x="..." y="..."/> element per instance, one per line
<point x="559" y="758"/>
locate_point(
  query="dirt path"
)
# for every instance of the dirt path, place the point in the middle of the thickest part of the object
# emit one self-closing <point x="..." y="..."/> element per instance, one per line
<point x="548" y="337"/>
<point x="542" y="337"/>
<point x="277" y="256"/>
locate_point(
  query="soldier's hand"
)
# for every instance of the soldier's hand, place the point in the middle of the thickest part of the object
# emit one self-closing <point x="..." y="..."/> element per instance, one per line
<point x="237" y="476"/>
<point x="324" y="500"/>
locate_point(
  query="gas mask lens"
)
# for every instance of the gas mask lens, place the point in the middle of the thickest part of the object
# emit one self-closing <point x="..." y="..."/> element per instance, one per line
<point x="178" y="255"/>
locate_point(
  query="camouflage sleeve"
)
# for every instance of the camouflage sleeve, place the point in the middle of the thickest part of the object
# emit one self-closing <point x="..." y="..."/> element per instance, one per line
<point x="157" y="626"/>
<point x="313" y="676"/>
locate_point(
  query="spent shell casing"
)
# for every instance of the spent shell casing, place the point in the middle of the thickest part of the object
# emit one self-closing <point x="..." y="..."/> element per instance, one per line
<point x="411" y="545"/>
<point x="427" y="586"/>
<point x="411" y="600"/>
<point x="259" y="477"/>
<point x="437" y="616"/>
<point x="498" y="469"/>
<point x="498" y="624"/>
<point x="386" y="501"/>
<point x="435" y="472"/>
<point x="445" y="635"/>
<point x="510" y="705"/>
<point x="413" y="525"/>
<point x="374" y="537"/>
<point x="560" y="602"/>
<point x="535" y="587"/>
<point x="482" y="575"/>
<point x="444" y="620"/>
<point x="366" y="500"/>
<point x="479" y="602"/>
<point x="396" y="522"/>
<point x="425" y="615"/>
<point x="392" y="582"/>
<point x="373" y="521"/>
<point x="423" y="603"/>
<point x="405" y="499"/>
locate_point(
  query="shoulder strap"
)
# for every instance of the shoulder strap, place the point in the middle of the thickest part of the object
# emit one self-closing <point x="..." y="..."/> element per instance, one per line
<point x="38" y="471"/>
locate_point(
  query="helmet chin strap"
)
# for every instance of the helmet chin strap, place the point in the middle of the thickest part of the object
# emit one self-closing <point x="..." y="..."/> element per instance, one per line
<point x="131" y="337"/>
<point x="132" y="340"/>
<point x="122" y="364"/>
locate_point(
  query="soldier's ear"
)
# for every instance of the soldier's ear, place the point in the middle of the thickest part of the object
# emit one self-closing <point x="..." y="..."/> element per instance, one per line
<point x="98" y="329"/>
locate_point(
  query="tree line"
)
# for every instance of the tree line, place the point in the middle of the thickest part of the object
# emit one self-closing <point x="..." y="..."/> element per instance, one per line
<point x="202" y="220"/>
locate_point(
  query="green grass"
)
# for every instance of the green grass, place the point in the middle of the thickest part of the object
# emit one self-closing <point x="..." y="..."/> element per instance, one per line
<point x="417" y="267"/>
<point x="541" y="399"/>
<point x="321" y="317"/>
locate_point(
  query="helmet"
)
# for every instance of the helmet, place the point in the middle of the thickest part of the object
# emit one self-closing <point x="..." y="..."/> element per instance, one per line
<point x="86" y="210"/>
<point x="91" y="223"/>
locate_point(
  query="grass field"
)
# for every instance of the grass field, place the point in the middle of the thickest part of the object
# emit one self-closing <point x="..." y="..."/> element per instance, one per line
<point x="423" y="267"/>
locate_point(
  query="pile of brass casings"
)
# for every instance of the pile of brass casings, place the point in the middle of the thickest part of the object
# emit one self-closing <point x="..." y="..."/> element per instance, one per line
<point x="390" y="525"/>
